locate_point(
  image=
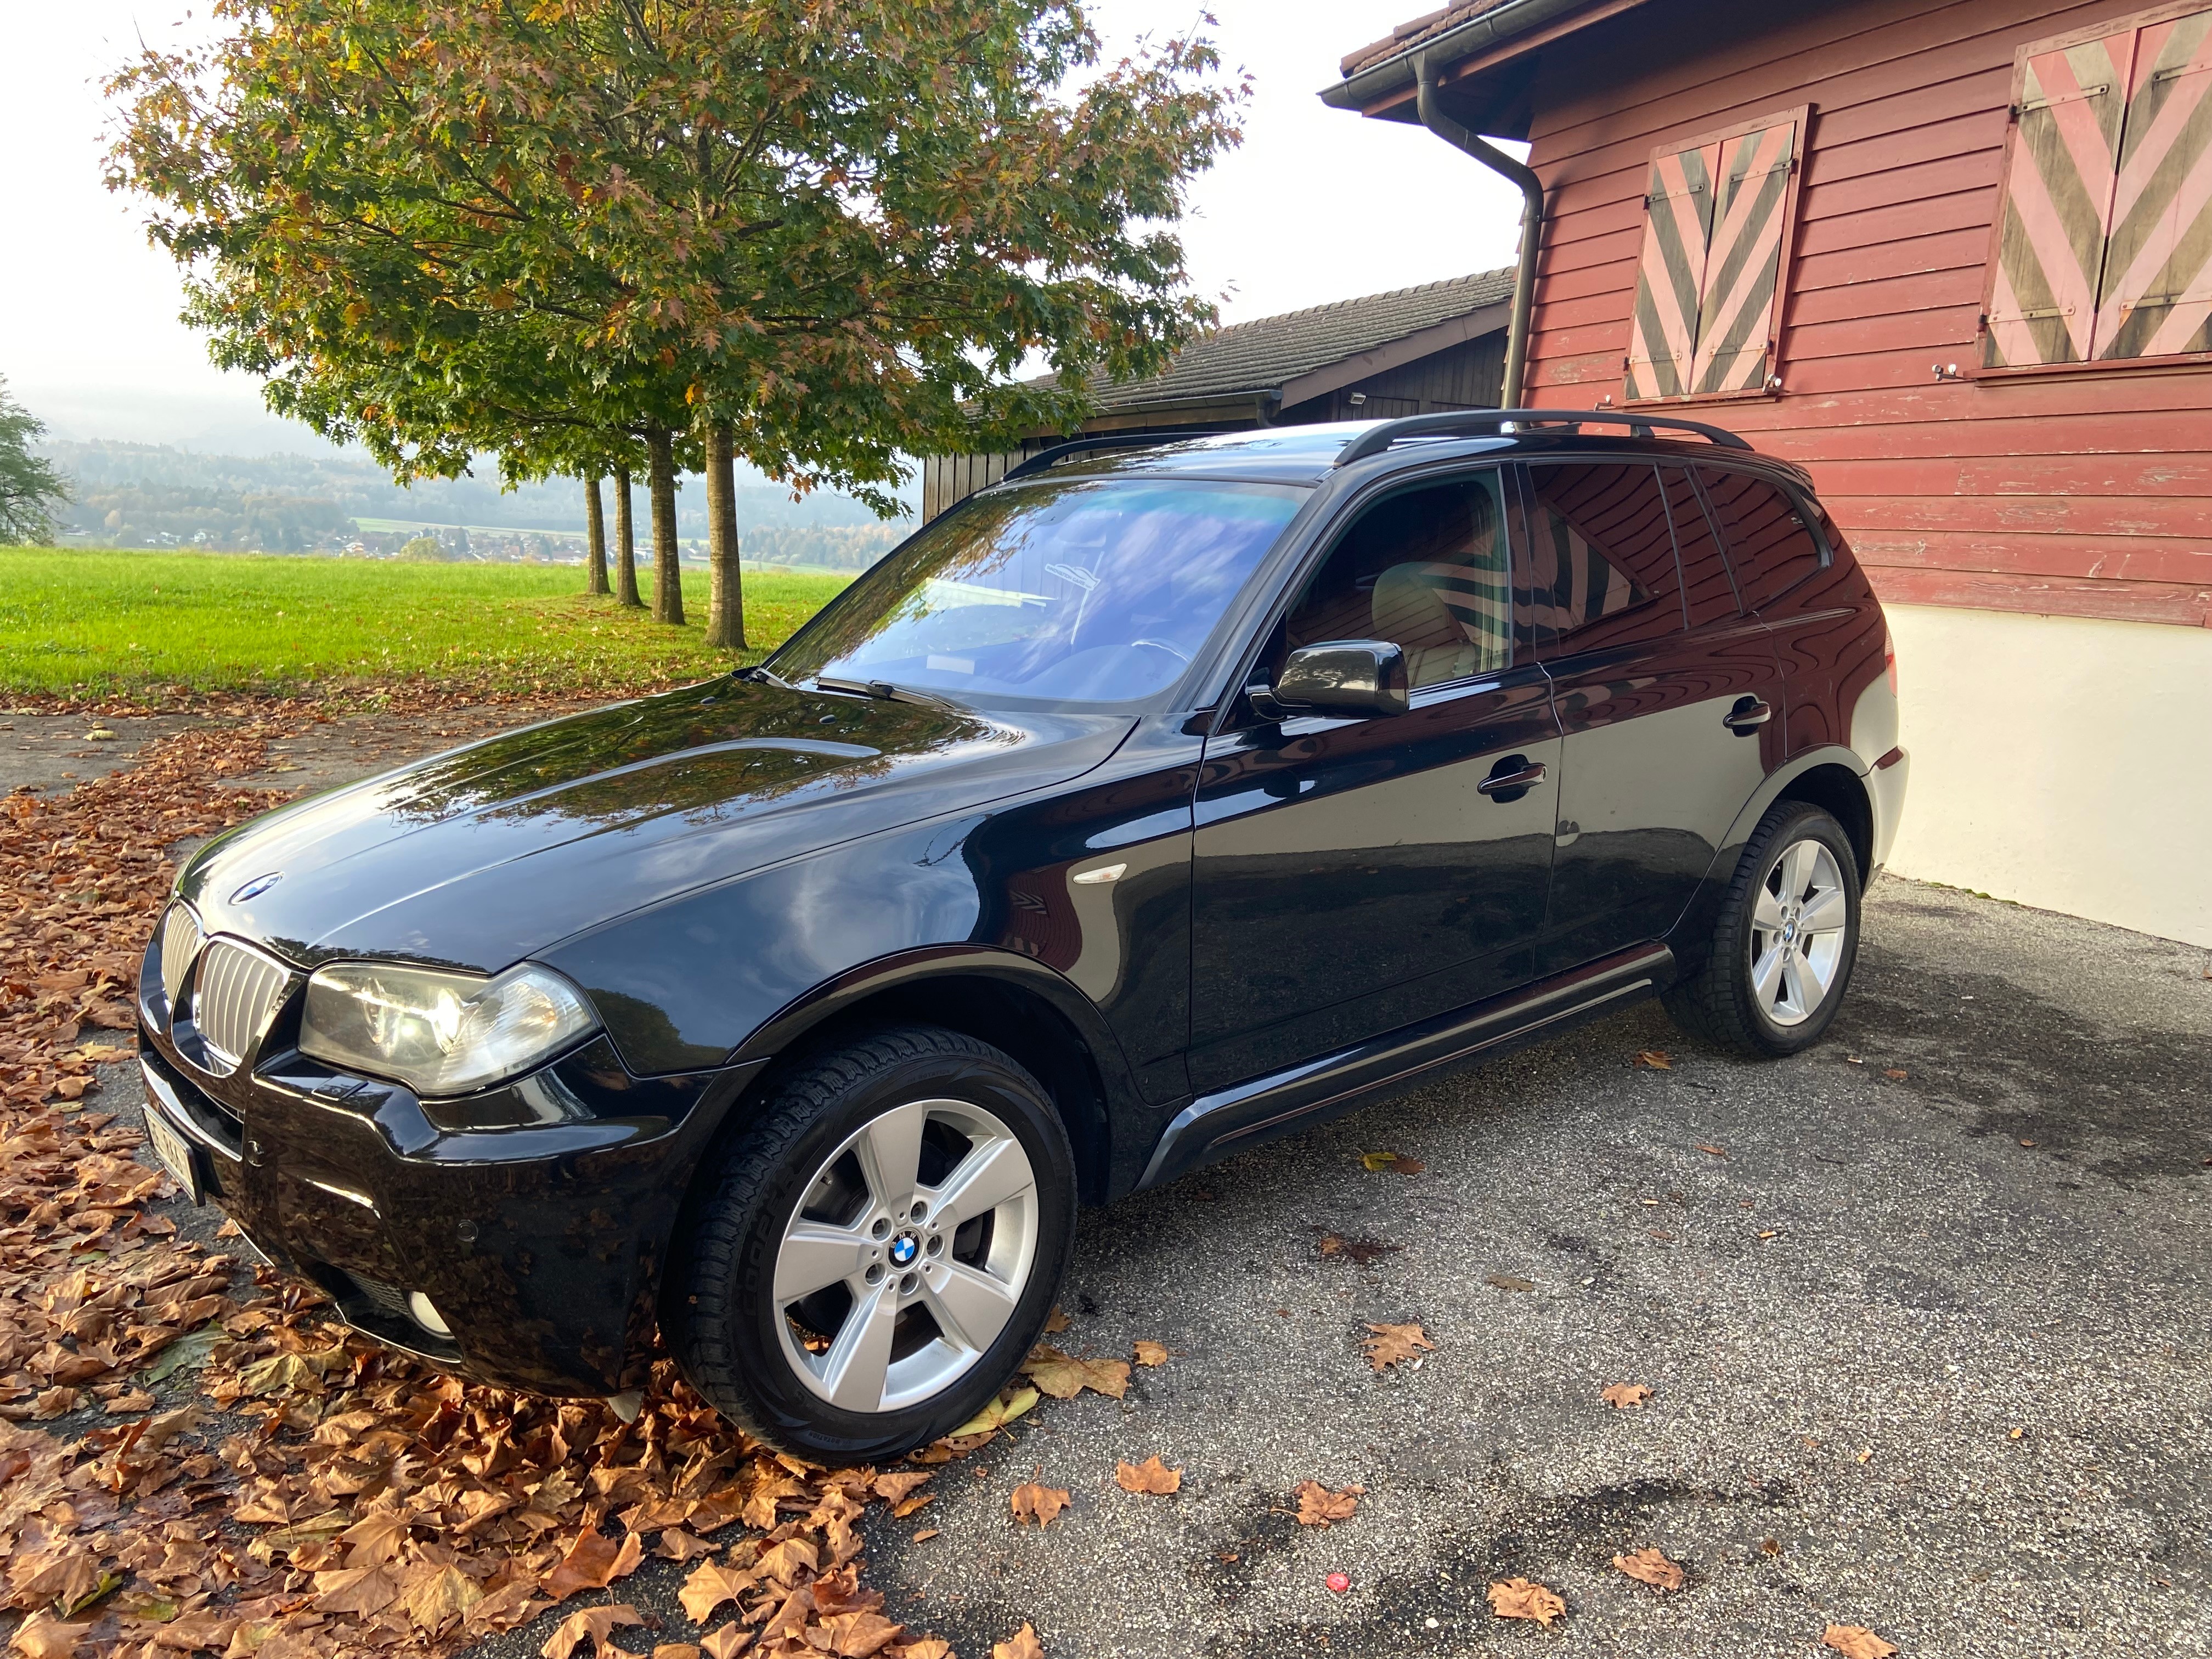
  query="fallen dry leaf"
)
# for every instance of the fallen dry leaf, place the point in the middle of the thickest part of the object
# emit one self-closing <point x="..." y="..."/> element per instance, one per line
<point x="594" y="1562"/>
<point x="710" y="1585"/>
<point x="677" y="1545"/>
<point x="1375" y="1163"/>
<point x="1717" y="1151"/>
<point x="1063" y="1377"/>
<point x="1056" y="1322"/>
<point x="1621" y="1395"/>
<point x="1391" y="1343"/>
<point x="1009" y="1405"/>
<point x="726" y="1642"/>
<point x="1022" y="1645"/>
<point x="1152" y="1353"/>
<point x="1855" y="1641"/>
<point x="591" y="1623"/>
<point x="1362" y="1252"/>
<point x="1318" y="1507"/>
<point x="1657" y="1059"/>
<point x="1150" y="1476"/>
<point x="1518" y="1598"/>
<point x="676" y="1650"/>
<point x="1508" y="1282"/>
<point x="44" y="1637"/>
<point x="1650" y="1567"/>
<point x="925" y="1534"/>
<point x="1896" y="1076"/>
<point x="1041" y="1504"/>
<point x="788" y="1561"/>
<point x="439" y="1595"/>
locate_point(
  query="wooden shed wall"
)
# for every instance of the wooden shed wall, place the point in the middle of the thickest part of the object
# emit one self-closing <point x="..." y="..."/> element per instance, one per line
<point x="2079" y="492"/>
<point x="1464" y="376"/>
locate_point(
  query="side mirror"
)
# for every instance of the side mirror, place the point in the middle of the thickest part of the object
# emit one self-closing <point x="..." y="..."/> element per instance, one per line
<point x="1354" y="677"/>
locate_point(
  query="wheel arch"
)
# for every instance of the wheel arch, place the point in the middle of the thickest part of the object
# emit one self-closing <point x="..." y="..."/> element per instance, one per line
<point x="1831" y="777"/>
<point x="1842" y="793"/>
<point x="1015" y="1004"/>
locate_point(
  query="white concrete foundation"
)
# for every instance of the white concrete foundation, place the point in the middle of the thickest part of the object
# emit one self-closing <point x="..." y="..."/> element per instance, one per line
<point x="2060" y="763"/>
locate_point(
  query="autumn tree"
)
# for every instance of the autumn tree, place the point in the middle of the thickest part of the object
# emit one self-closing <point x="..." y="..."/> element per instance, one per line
<point x="809" y="234"/>
<point x="30" y="487"/>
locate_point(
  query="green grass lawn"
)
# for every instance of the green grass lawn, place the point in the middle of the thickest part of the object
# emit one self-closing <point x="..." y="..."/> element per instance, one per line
<point x="91" y="623"/>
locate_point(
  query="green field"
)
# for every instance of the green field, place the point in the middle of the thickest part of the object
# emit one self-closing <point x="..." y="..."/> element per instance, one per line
<point x="90" y="624"/>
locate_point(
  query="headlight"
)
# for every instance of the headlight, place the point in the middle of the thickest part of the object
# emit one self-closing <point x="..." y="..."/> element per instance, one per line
<point x="439" y="1034"/>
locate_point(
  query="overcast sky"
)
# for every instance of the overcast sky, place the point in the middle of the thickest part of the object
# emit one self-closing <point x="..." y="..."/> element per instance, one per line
<point x="1318" y="205"/>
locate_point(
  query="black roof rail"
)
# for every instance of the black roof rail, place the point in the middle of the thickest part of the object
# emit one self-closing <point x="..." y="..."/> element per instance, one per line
<point x="1045" y="460"/>
<point x="1471" y="421"/>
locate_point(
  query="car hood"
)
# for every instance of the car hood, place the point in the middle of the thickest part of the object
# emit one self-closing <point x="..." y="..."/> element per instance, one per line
<point x="479" y="857"/>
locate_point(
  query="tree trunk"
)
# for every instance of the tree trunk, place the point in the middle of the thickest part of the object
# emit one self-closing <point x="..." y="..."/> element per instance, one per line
<point x="726" y="593"/>
<point x="625" y="544"/>
<point x="595" y="538"/>
<point x="661" y="478"/>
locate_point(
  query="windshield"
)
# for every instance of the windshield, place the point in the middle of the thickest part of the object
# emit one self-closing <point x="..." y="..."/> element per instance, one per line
<point x="1097" y="592"/>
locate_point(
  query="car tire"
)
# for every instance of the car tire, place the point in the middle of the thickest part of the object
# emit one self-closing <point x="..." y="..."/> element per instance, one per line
<point x="935" y="1285"/>
<point x="1784" y="941"/>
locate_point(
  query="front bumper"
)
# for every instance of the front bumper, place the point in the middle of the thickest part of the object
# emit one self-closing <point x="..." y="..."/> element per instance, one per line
<point x="539" y="1246"/>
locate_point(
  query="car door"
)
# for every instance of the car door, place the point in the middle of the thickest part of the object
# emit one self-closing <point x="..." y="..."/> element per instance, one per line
<point x="1667" y="695"/>
<point x="1351" y="876"/>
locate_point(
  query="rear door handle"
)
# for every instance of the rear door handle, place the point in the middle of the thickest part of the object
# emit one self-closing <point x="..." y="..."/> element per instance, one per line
<point x="1748" y="716"/>
<point x="1498" y="783"/>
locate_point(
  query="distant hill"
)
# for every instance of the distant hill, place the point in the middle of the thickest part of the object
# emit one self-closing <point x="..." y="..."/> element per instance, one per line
<point x="131" y="495"/>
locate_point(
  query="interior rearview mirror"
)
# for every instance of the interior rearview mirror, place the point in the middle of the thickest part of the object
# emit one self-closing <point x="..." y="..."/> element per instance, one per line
<point x="1356" y="677"/>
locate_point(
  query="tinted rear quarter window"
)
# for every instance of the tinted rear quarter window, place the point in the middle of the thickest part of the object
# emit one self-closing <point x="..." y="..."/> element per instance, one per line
<point x="1601" y="570"/>
<point x="1770" y="544"/>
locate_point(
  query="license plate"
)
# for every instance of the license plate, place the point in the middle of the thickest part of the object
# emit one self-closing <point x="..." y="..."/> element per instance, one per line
<point x="175" y="1153"/>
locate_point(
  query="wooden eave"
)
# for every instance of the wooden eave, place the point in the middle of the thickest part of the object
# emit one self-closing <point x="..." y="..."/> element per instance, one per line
<point x="1483" y="68"/>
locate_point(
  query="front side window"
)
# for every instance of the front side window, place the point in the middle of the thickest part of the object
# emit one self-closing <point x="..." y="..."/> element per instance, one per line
<point x="1427" y="569"/>
<point x="1600" y="568"/>
<point x="1097" y="592"/>
<point x="2103" y="239"/>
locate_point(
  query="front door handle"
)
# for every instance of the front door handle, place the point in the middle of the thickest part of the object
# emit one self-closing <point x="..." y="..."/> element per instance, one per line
<point x="1748" y="716"/>
<point x="1514" y="783"/>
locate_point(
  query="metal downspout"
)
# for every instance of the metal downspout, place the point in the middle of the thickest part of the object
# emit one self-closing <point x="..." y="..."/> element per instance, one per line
<point x="1532" y="224"/>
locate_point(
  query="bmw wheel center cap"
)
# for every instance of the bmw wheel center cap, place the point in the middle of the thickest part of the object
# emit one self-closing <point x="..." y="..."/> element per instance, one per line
<point x="903" y="1250"/>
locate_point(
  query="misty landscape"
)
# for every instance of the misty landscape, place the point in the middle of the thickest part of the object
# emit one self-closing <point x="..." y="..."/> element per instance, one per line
<point x="160" y="495"/>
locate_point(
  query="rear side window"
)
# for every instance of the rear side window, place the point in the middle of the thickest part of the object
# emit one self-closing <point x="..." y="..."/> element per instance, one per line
<point x="1708" y="595"/>
<point x="1427" y="569"/>
<point x="1601" y="567"/>
<point x="1770" y="544"/>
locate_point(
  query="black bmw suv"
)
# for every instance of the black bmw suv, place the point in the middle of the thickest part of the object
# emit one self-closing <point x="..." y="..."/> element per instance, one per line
<point x="1150" y="803"/>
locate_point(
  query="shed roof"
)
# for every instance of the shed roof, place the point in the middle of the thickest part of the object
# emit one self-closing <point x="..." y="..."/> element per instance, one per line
<point x="1268" y="353"/>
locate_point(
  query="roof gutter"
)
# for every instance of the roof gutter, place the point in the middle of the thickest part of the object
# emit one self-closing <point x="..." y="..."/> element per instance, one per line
<point x="1514" y="17"/>
<point x="1532" y="218"/>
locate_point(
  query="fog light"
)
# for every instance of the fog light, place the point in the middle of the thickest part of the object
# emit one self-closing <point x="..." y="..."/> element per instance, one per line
<point x="425" y="1313"/>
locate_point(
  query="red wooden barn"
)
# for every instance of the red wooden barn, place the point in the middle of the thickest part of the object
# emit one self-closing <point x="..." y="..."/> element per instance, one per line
<point x="1957" y="260"/>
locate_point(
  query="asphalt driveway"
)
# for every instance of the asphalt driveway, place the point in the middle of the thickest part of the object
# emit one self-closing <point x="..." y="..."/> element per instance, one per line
<point x="1925" y="1314"/>
<point x="1928" y="1353"/>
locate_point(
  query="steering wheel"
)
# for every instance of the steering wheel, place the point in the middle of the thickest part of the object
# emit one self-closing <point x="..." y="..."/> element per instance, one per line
<point x="1162" y="645"/>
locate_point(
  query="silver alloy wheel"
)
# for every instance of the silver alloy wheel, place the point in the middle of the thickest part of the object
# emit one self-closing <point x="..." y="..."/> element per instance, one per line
<point x="907" y="1256"/>
<point x="1798" y="930"/>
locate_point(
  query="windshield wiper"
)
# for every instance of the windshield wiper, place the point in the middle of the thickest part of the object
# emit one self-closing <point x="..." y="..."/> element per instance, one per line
<point x="765" y="678"/>
<point x="883" y="690"/>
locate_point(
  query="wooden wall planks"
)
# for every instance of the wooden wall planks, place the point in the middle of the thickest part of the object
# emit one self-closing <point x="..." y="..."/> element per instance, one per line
<point x="2088" y="493"/>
